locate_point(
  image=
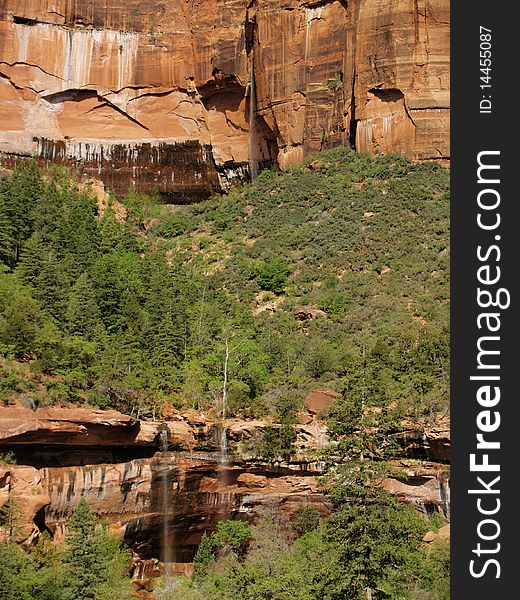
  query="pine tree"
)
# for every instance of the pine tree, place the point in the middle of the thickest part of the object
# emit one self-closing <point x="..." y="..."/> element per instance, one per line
<point x="20" y="318"/>
<point x="14" y="569"/>
<point x="204" y="558"/>
<point x="49" y="287"/>
<point x="111" y="231"/>
<point x="133" y="316"/>
<point x="11" y="519"/>
<point x="167" y="339"/>
<point x="113" y="275"/>
<point x="164" y="335"/>
<point x="83" y="554"/>
<point x="24" y="190"/>
<point x="44" y="579"/>
<point x="94" y="560"/>
<point x="32" y="257"/>
<point x="82" y="314"/>
<point x="48" y="212"/>
<point x="78" y="234"/>
<point x="6" y="232"/>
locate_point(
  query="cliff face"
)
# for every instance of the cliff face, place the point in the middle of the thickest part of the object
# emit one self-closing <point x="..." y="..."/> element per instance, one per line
<point x="184" y="495"/>
<point x="185" y="96"/>
<point x="152" y="481"/>
<point x="174" y="480"/>
<point x="370" y="73"/>
<point x="132" y="90"/>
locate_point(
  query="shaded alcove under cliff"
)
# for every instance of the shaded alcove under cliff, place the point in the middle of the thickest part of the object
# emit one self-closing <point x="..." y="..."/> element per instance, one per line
<point x="43" y="456"/>
<point x="173" y="496"/>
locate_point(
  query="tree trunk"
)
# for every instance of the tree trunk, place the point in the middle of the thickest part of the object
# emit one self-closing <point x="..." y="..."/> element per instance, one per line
<point x="224" y="390"/>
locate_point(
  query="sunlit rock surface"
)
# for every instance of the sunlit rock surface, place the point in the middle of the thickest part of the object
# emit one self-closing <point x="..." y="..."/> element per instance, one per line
<point x="185" y="97"/>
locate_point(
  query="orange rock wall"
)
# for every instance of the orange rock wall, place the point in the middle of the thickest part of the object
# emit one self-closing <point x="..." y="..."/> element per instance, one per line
<point x="181" y="95"/>
<point x="205" y="471"/>
<point x="187" y="494"/>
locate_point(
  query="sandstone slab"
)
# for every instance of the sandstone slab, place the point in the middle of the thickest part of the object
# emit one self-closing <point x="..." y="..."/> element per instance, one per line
<point x="320" y="400"/>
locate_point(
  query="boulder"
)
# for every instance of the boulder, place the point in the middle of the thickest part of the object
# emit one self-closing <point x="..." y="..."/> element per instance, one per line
<point x="444" y="532"/>
<point x="319" y="401"/>
<point x="430" y="537"/>
<point x="305" y="313"/>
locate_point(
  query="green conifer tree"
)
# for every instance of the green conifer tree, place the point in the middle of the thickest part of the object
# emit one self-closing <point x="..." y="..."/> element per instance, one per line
<point x="78" y="233"/>
<point x="111" y="231"/>
<point x="50" y="289"/>
<point x="6" y="233"/>
<point x="20" y="317"/>
<point x="82" y="314"/>
<point x="14" y="569"/>
<point x="165" y="332"/>
<point x="32" y="257"/>
<point x="11" y="519"/>
<point x="204" y="558"/>
<point x="95" y="562"/>
<point x="48" y="211"/>
<point x="24" y="190"/>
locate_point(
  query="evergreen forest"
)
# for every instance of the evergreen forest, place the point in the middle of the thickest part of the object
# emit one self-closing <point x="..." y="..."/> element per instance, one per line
<point x="332" y="275"/>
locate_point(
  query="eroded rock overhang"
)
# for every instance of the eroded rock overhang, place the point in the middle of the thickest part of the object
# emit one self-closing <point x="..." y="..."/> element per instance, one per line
<point x="148" y="476"/>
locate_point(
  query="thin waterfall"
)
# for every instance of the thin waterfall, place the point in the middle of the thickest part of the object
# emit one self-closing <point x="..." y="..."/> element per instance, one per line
<point x="223" y="445"/>
<point x="444" y="493"/>
<point x="166" y="539"/>
<point x="253" y="134"/>
<point x="223" y="470"/>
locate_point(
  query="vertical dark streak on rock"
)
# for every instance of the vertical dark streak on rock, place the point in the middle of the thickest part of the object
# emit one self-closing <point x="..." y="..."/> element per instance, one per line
<point x="352" y="120"/>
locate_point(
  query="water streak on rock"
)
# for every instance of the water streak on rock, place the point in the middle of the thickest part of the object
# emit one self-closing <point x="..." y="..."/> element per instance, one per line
<point x="253" y="134"/>
<point x="223" y="472"/>
<point x="167" y="549"/>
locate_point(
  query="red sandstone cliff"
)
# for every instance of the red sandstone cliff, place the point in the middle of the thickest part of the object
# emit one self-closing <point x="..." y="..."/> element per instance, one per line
<point x="145" y="476"/>
<point x="121" y="466"/>
<point x="183" y="95"/>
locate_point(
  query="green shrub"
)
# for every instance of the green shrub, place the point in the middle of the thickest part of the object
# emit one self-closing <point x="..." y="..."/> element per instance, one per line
<point x="273" y="275"/>
<point x="305" y="520"/>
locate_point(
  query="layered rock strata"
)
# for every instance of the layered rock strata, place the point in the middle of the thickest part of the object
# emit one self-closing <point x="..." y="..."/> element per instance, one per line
<point x="184" y="97"/>
<point x="171" y="480"/>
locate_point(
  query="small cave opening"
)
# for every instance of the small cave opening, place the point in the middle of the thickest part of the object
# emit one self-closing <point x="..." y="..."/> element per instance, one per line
<point x="387" y="95"/>
<point x="268" y="142"/>
<point x="222" y="93"/>
<point x="39" y="521"/>
<point x="18" y="20"/>
<point x="71" y="95"/>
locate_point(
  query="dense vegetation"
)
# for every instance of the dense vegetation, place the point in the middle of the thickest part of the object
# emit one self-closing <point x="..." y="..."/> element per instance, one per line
<point x="334" y="274"/>
<point x="135" y="305"/>
<point x="368" y="548"/>
<point x="92" y="565"/>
